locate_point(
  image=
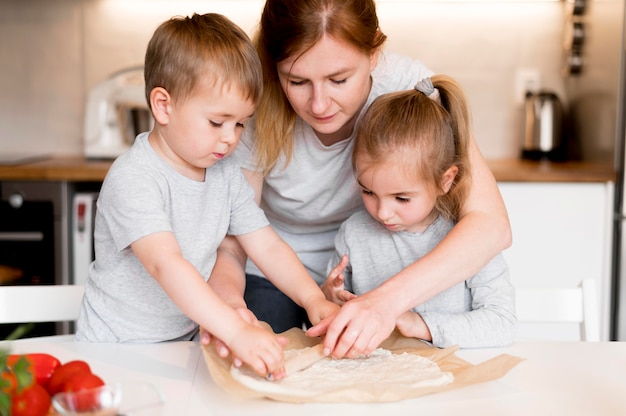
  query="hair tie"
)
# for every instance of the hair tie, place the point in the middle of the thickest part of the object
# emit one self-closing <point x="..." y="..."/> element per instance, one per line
<point x="425" y="86"/>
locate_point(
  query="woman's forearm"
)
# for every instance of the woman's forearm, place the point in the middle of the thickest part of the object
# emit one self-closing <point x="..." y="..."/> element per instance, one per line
<point x="228" y="277"/>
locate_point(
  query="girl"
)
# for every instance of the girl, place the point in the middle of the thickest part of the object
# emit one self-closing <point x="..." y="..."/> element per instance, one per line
<point x="410" y="160"/>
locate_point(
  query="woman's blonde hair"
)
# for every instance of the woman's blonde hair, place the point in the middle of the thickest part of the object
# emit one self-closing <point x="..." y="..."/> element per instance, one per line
<point x="289" y="28"/>
<point x="422" y="136"/>
<point x="184" y="49"/>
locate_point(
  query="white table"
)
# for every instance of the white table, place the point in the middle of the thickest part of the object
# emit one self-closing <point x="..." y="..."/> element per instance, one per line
<point x="556" y="378"/>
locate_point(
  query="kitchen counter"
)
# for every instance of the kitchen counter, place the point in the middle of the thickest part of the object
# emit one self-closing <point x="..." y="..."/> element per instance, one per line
<point x="78" y="169"/>
<point x="69" y="168"/>
<point x="516" y="170"/>
<point x="555" y="378"/>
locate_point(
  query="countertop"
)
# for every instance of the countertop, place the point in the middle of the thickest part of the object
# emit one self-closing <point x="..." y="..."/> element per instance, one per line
<point x="79" y="169"/>
<point x="554" y="378"/>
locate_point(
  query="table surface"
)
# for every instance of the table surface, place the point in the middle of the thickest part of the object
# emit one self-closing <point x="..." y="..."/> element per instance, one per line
<point x="555" y="378"/>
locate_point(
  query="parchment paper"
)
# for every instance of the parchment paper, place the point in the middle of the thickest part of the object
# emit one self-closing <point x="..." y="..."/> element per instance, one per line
<point x="464" y="372"/>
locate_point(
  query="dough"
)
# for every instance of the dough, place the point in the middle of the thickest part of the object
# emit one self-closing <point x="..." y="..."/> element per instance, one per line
<point x="381" y="369"/>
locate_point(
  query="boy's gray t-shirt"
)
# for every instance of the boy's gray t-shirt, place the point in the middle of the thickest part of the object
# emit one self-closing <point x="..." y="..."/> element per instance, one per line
<point x="142" y="195"/>
<point x="307" y="201"/>
<point x="479" y="312"/>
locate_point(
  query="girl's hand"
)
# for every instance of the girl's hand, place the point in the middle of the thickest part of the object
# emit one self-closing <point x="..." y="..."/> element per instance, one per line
<point x="412" y="325"/>
<point x="333" y="287"/>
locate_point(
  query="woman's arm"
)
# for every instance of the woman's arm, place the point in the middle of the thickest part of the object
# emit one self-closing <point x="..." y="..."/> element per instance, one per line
<point x="228" y="277"/>
<point x="482" y="232"/>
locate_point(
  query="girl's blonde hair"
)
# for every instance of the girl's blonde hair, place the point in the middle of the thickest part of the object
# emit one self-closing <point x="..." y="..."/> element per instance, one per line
<point x="184" y="49"/>
<point x="289" y="28"/>
<point x="422" y="136"/>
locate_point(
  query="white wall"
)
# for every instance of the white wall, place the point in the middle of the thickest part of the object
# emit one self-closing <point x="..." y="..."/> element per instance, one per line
<point x="52" y="52"/>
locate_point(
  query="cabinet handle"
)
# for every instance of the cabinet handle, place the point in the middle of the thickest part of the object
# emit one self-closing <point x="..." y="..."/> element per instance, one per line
<point x="21" y="236"/>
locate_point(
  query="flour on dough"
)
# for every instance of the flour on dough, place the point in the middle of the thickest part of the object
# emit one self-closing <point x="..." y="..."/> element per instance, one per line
<point x="381" y="368"/>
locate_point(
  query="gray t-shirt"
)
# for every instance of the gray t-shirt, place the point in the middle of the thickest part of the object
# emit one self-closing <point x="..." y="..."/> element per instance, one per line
<point x="479" y="312"/>
<point x="307" y="201"/>
<point x="142" y="195"/>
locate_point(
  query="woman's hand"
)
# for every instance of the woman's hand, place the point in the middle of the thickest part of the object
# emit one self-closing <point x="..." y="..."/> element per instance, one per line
<point x="361" y="325"/>
<point x="333" y="287"/>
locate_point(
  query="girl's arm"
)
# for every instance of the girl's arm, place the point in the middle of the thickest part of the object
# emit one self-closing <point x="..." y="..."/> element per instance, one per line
<point x="161" y="256"/>
<point x="482" y="232"/>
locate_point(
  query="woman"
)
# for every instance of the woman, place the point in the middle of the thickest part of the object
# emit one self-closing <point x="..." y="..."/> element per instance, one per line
<point x="323" y="66"/>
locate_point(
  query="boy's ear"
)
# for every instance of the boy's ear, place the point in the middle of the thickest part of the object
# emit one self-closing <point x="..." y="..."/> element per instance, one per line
<point x="448" y="178"/>
<point x="160" y="101"/>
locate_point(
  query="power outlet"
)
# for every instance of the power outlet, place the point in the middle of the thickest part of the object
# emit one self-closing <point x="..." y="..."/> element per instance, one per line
<point x="526" y="79"/>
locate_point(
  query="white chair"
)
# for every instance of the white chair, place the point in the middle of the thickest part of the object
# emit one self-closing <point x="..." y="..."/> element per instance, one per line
<point x="43" y="303"/>
<point x="561" y="305"/>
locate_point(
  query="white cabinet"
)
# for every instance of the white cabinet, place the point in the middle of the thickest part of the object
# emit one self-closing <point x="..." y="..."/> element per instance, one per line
<point x="561" y="234"/>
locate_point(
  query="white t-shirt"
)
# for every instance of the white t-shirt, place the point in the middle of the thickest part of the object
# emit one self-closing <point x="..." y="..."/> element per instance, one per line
<point x="307" y="201"/>
<point x="142" y="195"/>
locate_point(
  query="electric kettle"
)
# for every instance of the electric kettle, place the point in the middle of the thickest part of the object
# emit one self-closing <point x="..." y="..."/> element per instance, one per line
<point x="543" y="132"/>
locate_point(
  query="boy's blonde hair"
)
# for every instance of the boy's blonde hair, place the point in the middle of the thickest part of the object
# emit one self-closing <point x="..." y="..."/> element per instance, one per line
<point x="425" y="138"/>
<point x="290" y="27"/>
<point x="185" y="49"/>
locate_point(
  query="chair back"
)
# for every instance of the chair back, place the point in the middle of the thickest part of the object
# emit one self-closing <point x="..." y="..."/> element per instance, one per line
<point x="42" y="303"/>
<point x="561" y="305"/>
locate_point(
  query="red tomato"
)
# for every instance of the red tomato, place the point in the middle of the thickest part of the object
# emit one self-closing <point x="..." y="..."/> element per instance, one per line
<point x="61" y="374"/>
<point x="34" y="400"/>
<point x="41" y="365"/>
<point x="8" y="381"/>
<point x="83" y="384"/>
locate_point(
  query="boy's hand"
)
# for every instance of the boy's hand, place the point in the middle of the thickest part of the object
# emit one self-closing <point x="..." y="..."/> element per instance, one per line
<point x="321" y="309"/>
<point x="220" y="346"/>
<point x="260" y="349"/>
<point x="333" y="288"/>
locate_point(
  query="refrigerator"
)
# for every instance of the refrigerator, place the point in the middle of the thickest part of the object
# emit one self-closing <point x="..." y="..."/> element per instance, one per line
<point x="595" y="84"/>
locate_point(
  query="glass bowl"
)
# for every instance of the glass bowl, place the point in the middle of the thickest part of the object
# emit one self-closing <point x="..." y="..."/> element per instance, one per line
<point x="100" y="401"/>
<point x="129" y="399"/>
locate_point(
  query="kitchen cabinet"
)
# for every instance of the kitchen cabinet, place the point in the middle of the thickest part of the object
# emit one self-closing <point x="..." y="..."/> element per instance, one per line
<point x="561" y="234"/>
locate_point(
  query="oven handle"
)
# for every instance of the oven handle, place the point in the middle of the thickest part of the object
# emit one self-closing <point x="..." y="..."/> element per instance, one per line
<point x="21" y="236"/>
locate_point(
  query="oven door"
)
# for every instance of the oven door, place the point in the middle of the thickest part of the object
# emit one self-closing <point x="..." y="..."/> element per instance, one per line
<point x="27" y="251"/>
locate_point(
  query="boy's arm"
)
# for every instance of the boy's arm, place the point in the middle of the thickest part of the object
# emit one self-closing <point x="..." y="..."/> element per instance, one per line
<point x="283" y="268"/>
<point x="161" y="256"/>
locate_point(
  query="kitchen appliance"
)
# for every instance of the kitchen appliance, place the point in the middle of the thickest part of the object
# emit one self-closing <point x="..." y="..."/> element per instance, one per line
<point x="31" y="240"/>
<point x="543" y="132"/>
<point x="116" y="112"/>
<point x="46" y="238"/>
<point x="597" y="96"/>
<point x="83" y="220"/>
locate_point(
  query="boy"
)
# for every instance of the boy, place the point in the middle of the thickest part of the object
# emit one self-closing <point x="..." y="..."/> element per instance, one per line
<point x="167" y="203"/>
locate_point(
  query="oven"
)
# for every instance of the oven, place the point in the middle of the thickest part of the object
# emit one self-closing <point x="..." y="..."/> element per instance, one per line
<point x="32" y="240"/>
<point x="46" y="238"/>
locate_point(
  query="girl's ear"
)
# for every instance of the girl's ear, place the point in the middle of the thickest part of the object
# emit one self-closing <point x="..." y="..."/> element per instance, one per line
<point x="160" y="101"/>
<point x="448" y="178"/>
